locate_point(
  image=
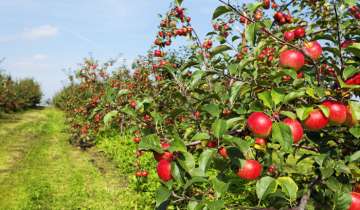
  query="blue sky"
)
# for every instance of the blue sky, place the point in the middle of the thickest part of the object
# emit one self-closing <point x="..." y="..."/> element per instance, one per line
<point x="42" y="38"/>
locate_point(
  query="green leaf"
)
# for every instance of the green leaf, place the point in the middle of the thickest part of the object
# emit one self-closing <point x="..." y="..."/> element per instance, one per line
<point x="212" y="109"/>
<point x="281" y="133"/>
<point x="150" y="142"/>
<point x="303" y="112"/>
<point x="127" y="110"/>
<point x="178" y="2"/>
<point x="265" y="186"/>
<point x="200" y="136"/>
<point x="355" y="131"/>
<point x="350" y="71"/>
<point x="195" y="180"/>
<point x="233" y="69"/>
<point x="355" y="109"/>
<point x="219" y="186"/>
<point x="234" y="92"/>
<point x="277" y="96"/>
<point x="109" y="116"/>
<point x="175" y="172"/>
<point x="220" y="49"/>
<point x="350" y="3"/>
<point x="294" y="95"/>
<point x="186" y="161"/>
<point x="288" y="186"/>
<point x="220" y="11"/>
<point x="355" y="156"/>
<point x="250" y="32"/>
<point x="196" y="77"/>
<point x="177" y="145"/>
<point x="216" y="205"/>
<point x="204" y="159"/>
<point x="266" y="98"/>
<point x="253" y="6"/>
<point x="161" y="195"/>
<point x="325" y="110"/>
<point x="289" y="114"/>
<point x="354" y="48"/>
<point x="123" y="92"/>
<point x="342" y="201"/>
<point x="219" y="128"/>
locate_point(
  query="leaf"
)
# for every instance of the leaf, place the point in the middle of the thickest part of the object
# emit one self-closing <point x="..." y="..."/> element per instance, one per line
<point x="129" y="111"/>
<point x="265" y="186"/>
<point x="303" y="112"/>
<point x="294" y="95"/>
<point x="253" y="6"/>
<point x="355" y="109"/>
<point x="219" y="128"/>
<point x="234" y="92"/>
<point x="219" y="186"/>
<point x="289" y="114"/>
<point x="355" y="156"/>
<point x="216" y="205"/>
<point x="281" y="133"/>
<point x="186" y="161"/>
<point x="178" y="2"/>
<point x="288" y="186"/>
<point x="325" y="110"/>
<point x="195" y="180"/>
<point x="161" y="195"/>
<point x="354" y="48"/>
<point x="205" y="158"/>
<point x="200" y="136"/>
<point x="109" y="116"/>
<point x="350" y="3"/>
<point x="220" y="49"/>
<point x="177" y="145"/>
<point x="123" y="92"/>
<point x="220" y="11"/>
<point x="277" y="96"/>
<point x="266" y="98"/>
<point x="355" y="131"/>
<point x="350" y="71"/>
<point x="150" y="142"/>
<point x="196" y="77"/>
<point x="250" y="32"/>
<point x="233" y="69"/>
<point x="175" y="172"/>
<point x="212" y="109"/>
<point x="342" y="200"/>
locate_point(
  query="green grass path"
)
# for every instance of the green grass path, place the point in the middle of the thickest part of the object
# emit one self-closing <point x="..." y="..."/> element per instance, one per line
<point x="40" y="170"/>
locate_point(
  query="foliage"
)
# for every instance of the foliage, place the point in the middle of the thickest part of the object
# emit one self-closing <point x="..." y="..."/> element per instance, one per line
<point x="199" y="103"/>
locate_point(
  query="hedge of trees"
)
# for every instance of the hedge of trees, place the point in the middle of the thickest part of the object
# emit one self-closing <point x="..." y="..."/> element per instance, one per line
<point x="17" y="95"/>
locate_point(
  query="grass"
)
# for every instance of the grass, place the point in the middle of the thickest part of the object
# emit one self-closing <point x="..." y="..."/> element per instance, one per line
<point x="40" y="170"/>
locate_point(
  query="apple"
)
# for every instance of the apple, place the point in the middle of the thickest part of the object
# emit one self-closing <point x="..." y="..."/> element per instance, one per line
<point x="272" y="169"/>
<point x="138" y="174"/>
<point x="164" y="170"/>
<point x="337" y="112"/>
<point x="299" y="32"/>
<point x="144" y="173"/>
<point x="223" y="152"/>
<point x="260" y="141"/>
<point x="164" y="156"/>
<point x="350" y="120"/>
<point x="250" y="170"/>
<point x="313" y="49"/>
<point x="212" y="144"/>
<point x="266" y="4"/>
<point x="133" y="104"/>
<point x="316" y="120"/>
<point x="260" y="124"/>
<point x="354" y="80"/>
<point x="136" y="139"/>
<point x="346" y="43"/>
<point x="296" y="129"/>
<point x="355" y="201"/>
<point x="289" y="36"/>
<point x="292" y="59"/>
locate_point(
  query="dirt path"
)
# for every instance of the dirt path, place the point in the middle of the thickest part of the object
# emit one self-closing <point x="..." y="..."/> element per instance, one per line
<point x="40" y="170"/>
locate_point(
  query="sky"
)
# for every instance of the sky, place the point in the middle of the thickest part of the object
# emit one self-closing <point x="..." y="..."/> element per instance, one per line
<point x="44" y="39"/>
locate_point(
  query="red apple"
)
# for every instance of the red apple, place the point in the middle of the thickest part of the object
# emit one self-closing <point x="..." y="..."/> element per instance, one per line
<point x="223" y="152"/>
<point x="355" y="201"/>
<point x="316" y="120"/>
<point x="296" y="129"/>
<point x="260" y="141"/>
<point x="346" y="43"/>
<point x="292" y="59"/>
<point x="212" y="144"/>
<point x="164" y="170"/>
<point x="250" y="170"/>
<point x="164" y="156"/>
<point x="260" y="124"/>
<point x="337" y="111"/>
<point x="289" y="36"/>
<point x="299" y="32"/>
<point x="313" y="49"/>
<point x="144" y="173"/>
<point x="354" y="80"/>
<point x="136" y="139"/>
<point x="266" y="4"/>
<point x="350" y="120"/>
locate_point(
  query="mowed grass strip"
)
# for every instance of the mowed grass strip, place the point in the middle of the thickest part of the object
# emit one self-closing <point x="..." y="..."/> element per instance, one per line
<point x="40" y="170"/>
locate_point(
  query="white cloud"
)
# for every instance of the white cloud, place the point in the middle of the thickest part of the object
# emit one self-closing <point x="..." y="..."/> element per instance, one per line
<point x="44" y="31"/>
